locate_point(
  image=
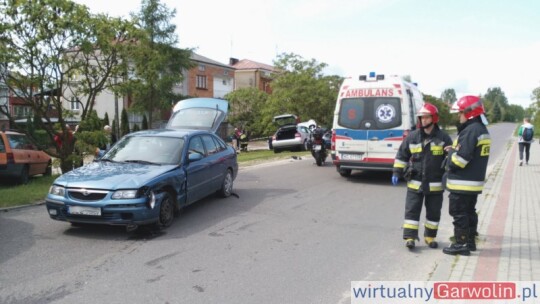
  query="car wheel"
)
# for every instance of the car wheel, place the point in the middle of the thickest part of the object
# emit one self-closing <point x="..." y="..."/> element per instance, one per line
<point x="24" y="177"/>
<point x="166" y="211"/>
<point x="345" y="172"/>
<point x="227" y="185"/>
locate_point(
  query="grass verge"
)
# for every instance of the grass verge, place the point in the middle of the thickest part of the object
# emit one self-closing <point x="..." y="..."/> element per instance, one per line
<point x="17" y="195"/>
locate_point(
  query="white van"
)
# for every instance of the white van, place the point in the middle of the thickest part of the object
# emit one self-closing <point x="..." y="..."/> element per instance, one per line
<point x="373" y="114"/>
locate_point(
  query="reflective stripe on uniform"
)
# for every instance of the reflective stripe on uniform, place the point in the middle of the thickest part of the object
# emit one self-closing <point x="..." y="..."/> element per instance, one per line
<point x="435" y="187"/>
<point x="484" y="139"/>
<point x="414" y="184"/>
<point x="399" y="164"/>
<point x="410" y="224"/>
<point x="431" y="225"/>
<point x="473" y="186"/>
<point x="459" y="161"/>
<point x="415" y="148"/>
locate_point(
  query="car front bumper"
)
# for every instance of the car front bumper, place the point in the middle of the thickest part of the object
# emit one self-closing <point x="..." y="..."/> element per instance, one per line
<point x="134" y="213"/>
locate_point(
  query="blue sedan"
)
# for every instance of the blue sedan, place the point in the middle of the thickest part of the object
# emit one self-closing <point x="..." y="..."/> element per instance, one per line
<point x="145" y="178"/>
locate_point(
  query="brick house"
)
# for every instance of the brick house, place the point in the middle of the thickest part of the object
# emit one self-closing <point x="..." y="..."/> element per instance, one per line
<point x="252" y="74"/>
<point x="209" y="78"/>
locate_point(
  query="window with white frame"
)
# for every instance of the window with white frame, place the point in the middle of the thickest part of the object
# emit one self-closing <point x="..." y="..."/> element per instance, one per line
<point x="75" y="105"/>
<point x="201" y="82"/>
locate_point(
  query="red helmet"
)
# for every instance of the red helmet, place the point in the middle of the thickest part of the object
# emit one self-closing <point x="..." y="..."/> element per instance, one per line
<point x="471" y="106"/>
<point x="429" y="109"/>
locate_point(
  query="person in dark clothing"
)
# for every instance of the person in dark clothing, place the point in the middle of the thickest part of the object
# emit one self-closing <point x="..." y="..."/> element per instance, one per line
<point x="111" y="140"/>
<point x="466" y="172"/>
<point x="420" y="158"/>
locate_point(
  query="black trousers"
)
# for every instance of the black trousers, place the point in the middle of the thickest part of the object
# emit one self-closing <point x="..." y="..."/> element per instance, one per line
<point x="524" y="146"/>
<point x="462" y="208"/>
<point x="413" y="208"/>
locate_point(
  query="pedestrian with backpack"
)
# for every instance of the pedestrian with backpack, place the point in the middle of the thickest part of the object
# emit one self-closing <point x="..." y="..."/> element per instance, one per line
<point x="526" y="137"/>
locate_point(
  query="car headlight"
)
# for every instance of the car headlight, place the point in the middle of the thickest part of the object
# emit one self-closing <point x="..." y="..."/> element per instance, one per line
<point x="57" y="190"/>
<point x="124" y="194"/>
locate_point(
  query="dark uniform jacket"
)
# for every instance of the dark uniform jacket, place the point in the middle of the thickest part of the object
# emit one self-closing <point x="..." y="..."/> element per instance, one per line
<point x="420" y="159"/>
<point x="468" y="159"/>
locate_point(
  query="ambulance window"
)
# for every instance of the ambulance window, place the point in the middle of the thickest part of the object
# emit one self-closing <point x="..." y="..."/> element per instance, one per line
<point x="387" y="113"/>
<point x="351" y="113"/>
<point x="373" y="113"/>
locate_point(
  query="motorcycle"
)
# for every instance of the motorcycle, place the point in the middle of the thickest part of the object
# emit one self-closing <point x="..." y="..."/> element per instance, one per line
<point x="318" y="146"/>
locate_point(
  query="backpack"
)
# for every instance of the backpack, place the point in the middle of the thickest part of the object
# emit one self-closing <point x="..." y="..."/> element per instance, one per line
<point x="527" y="134"/>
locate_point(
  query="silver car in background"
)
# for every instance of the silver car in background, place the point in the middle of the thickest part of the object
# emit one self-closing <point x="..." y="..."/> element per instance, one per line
<point x="291" y="135"/>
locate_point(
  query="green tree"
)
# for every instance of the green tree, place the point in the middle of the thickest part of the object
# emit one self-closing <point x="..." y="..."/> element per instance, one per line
<point x="157" y="64"/>
<point x="496" y="104"/>
<point x="532" y="111"/>
<point x="246" y="106"/>
<point x="448" y="96"/>
<point x="300" y="87"/>
<point x="50" y="48"/>
<point x="124" y="127"/>
<point x="136" y="128"/>
<point x="445" y="118"/>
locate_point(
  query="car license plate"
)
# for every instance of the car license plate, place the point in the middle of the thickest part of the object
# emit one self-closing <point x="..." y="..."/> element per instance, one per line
<point x="84" y="210"/>
<point x="345" y="156"/>
<point x="317" y="147"/>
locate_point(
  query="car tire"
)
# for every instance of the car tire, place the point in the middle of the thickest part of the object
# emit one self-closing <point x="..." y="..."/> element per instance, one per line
<point x="227" y="185"/>
<point x="166" y="211"/>
<point x="24" y="177"/>
<point x="345" y="172"/>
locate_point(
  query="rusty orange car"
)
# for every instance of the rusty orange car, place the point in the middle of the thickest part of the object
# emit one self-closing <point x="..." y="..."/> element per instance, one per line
<point x="20" y="158"/>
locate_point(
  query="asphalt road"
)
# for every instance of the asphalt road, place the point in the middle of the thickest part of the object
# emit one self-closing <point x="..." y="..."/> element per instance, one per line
<point x="298" y="233"/>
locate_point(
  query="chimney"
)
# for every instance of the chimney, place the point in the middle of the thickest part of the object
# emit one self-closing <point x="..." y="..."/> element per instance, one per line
<point x="233" y="61"/>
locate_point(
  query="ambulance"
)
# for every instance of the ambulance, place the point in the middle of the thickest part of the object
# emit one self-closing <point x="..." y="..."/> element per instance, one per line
<point x="373" y="114"/>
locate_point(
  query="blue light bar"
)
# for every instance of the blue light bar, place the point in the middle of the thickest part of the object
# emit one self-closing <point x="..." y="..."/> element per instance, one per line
<point x="372" y="74"/>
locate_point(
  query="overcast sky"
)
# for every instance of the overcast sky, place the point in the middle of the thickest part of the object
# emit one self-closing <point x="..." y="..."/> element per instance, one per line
<point x="467" y="45"/>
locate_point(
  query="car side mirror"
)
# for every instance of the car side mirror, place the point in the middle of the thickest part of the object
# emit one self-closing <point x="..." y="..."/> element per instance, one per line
<point x="193" y="157"/>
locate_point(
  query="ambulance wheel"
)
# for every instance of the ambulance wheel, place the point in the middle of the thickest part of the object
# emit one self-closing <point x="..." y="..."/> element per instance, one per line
<point x="345" y="172"/>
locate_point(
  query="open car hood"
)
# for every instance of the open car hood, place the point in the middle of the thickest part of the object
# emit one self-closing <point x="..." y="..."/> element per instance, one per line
<point x="198" y="114"/>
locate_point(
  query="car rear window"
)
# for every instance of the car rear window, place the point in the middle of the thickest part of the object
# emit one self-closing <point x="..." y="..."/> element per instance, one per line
<point x="17" y="141"/>
<point x="373" y="113"/>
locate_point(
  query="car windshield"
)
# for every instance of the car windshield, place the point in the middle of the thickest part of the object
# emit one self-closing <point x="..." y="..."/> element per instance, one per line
<point x="147" y="150"/>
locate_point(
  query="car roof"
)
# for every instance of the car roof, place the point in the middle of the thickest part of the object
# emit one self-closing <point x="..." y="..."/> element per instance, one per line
<point x="169" y="132"/>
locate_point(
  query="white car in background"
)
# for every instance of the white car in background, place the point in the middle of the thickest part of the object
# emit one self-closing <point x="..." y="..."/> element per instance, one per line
<point x="291" y="135"/>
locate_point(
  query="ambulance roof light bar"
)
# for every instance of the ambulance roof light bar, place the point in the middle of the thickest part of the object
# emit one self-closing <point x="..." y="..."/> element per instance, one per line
<point x="372" y="77"/>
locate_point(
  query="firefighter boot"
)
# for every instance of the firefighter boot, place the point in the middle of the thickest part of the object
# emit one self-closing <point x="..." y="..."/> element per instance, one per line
<point x="460" y="246"/>
<point x="430" y="241"/>
<point x="471" y="241"/>
<point x="409" y="243"/>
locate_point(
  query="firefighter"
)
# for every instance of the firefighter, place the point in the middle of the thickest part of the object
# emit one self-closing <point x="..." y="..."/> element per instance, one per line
<point x="420" y="160"/>
<point x="466" y="171"/>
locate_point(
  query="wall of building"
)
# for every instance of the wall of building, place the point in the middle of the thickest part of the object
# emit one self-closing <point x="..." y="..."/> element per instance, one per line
<point x="211" y="72"/>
